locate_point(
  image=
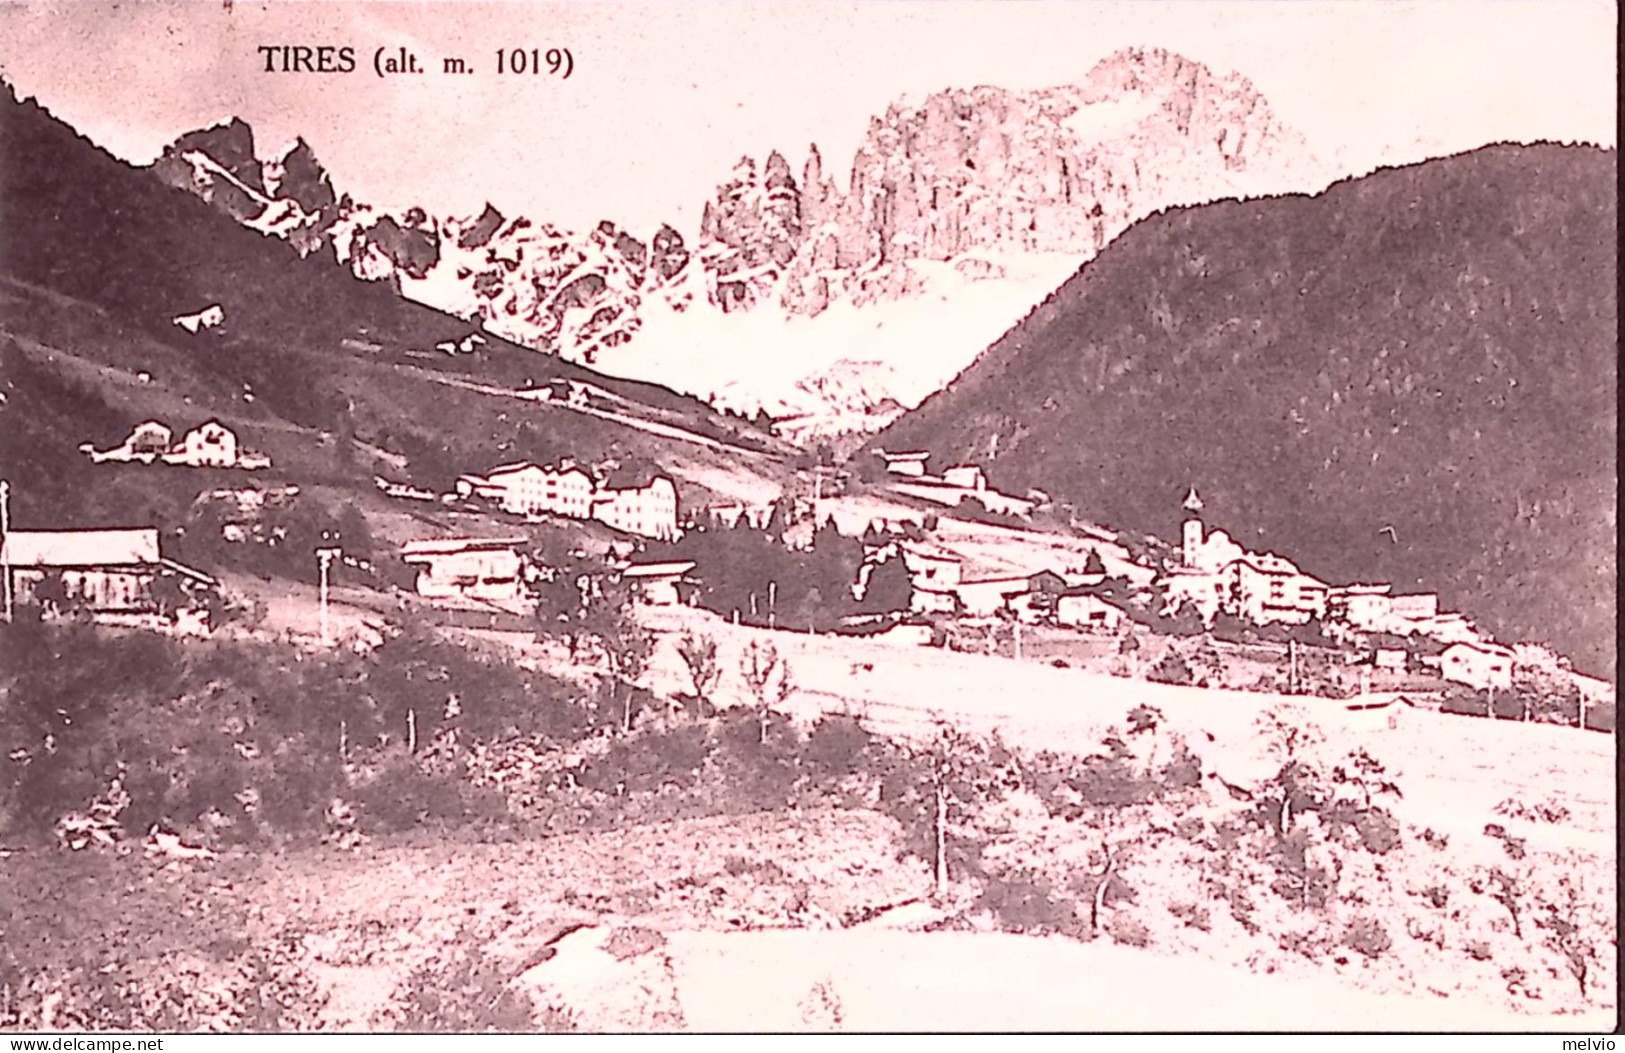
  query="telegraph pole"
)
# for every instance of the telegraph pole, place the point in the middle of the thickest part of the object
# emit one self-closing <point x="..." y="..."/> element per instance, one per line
<point x="324" y="559"/>
<point x="5" y="534"/>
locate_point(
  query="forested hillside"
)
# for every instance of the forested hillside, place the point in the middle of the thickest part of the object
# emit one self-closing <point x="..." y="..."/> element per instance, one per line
<point x="1430" y="349"/>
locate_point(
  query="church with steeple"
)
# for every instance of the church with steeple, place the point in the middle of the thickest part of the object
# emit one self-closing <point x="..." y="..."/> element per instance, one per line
<point x="1190" y="550"/>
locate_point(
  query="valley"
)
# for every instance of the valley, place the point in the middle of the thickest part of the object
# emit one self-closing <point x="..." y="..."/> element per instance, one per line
<point x="1090" y="563"/>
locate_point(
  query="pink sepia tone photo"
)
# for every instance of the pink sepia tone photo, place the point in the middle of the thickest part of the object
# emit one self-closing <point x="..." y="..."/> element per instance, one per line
<point x="789" y="517"/>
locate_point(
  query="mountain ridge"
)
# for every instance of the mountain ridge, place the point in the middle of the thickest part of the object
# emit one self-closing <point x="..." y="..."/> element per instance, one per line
<point x="954" y="197"/>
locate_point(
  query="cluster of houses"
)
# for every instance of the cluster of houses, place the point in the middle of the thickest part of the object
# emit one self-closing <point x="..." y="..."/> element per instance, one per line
<point x="209" y="445"/>
<point x="958" y="482"/>
<point x="940" y="586"/>
<point x="528" y="489"/>
<point x="1213" y="575"/>
<point x="1218" y="575"/>
<point x="498" y="573"/>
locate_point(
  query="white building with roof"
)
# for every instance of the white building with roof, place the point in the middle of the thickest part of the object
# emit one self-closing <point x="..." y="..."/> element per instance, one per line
<point x="209" y="445"/>
<point x="934" y="573"/>
<point x="660" y="584"/>
<point x="1368" y="607"/>
<point x="526" y="488"/>
<point x="1264" y="588"/>
<point x="968" y="476"/>
<point x="650" y="511"/>
<point x="1479" y="665"/>
<point x="104" y="572"/>
<point x="487" y="569"/>
<point x="910" y="462"/>
<point x="1082" y="610"/>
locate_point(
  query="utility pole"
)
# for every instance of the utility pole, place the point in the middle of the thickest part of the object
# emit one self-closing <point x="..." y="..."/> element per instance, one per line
<point x="1292" y="666"/>
<point x="772" y="605"/>
<point x="5" y="535"/>
<point x="324" y="559"/>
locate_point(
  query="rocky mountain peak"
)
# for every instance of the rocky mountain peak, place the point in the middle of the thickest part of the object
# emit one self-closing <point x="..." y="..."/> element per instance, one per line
<point x="304" y="179"/>
<point x="219" y="164"/>
<point x="1059" y="170"/>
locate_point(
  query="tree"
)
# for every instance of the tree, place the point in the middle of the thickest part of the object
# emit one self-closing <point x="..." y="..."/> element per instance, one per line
<point x="965" y="773"/>
<point x="1293" y="743"/>
<point x="1568" y="917"/>
<point x="592" y="610"/>
<point x="768" y="678"/>
<point x="1094" y="564"/>
<point x="1504" y="888"/>
<point x="699" y="655"/>
<point x="626" y="646"/>
<point x="890" y="589"/>
<point x="568" y="600"/>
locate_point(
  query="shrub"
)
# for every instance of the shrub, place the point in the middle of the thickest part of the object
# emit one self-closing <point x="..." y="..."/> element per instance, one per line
<point x="646" y="762"/>
<point x="1025" y="902"/>
<point x="1171" y="669"/>
<point x="1378" y="830"/>
<point x="1127" y="931"/>
<point x="1368" y="937"/>
<point x="1184" y="769"/>
<point x="835" y="748"/>
<point x="465" y="991"/>
<point x="401" y="795"/>
<point x="1438" y="896"/>
<point x="1465" y="702"/>
<point x="1193" y="915"/>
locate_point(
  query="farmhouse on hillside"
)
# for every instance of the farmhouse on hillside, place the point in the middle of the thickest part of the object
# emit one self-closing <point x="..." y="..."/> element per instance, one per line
<point x="1085" y="610"/>
<point x="909" y="463"/>
<point x="968" y="476"/>
<point x="661" y="584"/>
<point x="114" y="575"/>
<point x="487" y="569"/>
<point x="933" y="571"/>
<point x="209" y="445"/>
<point x="1029" y="596"/>
<point x="1479" y="665"/>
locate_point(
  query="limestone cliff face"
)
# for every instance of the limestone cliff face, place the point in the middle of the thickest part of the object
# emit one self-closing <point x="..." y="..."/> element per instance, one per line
<point x="969" y="174"/>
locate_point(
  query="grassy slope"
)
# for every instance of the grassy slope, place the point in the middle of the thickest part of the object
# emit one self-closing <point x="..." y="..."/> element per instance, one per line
<point x="103" y="256"/>
<point x="1429" y="348"/>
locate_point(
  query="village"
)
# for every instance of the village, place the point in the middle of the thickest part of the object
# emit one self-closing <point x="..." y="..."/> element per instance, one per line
<point x="979" y="576"/>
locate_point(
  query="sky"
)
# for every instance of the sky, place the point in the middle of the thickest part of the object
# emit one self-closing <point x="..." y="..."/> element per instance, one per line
<point x="666" y="96"/>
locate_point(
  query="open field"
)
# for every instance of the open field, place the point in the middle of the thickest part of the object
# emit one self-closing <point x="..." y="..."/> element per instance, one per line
<point x="1455" y="769"/>
<point x="953" y="981"/>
